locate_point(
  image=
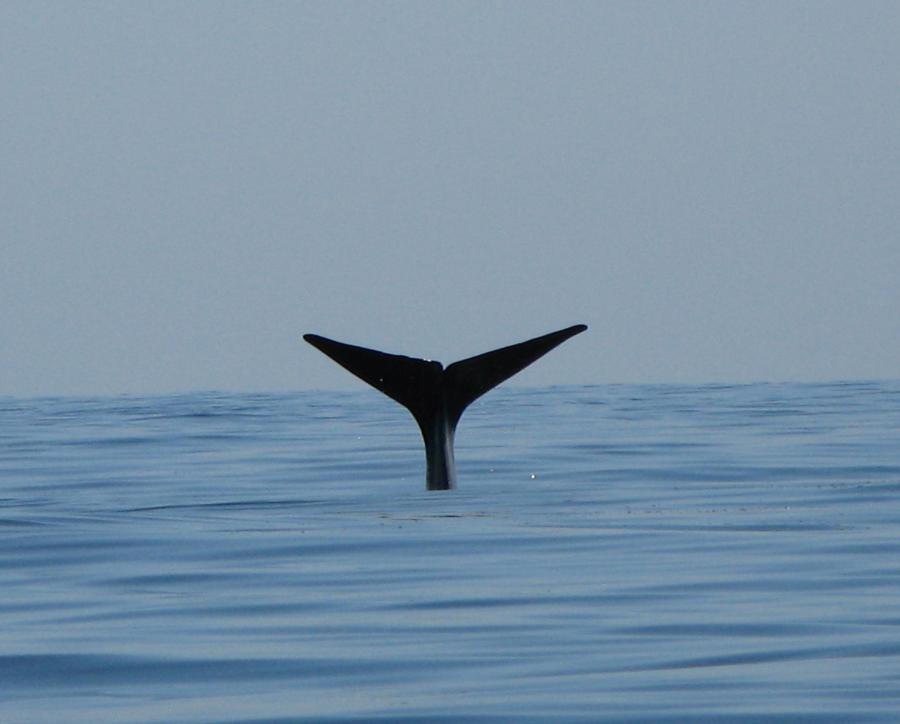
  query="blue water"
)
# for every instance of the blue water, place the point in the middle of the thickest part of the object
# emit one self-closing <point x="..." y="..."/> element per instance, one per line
<point x="613" y="553"/>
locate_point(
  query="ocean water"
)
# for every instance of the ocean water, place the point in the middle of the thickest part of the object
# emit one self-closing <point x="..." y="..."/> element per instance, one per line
<point x="613" y="553"/>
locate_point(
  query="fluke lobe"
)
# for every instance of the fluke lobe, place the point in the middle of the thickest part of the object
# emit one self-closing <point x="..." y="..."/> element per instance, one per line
<point x="435" y="396"/>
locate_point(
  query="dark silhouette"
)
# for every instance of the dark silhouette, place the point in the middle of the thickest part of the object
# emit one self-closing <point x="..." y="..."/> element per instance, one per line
<point x="435" y="396"/>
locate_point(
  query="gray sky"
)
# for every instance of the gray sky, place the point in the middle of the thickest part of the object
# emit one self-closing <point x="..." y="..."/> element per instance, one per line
<point x="188" y="187"/>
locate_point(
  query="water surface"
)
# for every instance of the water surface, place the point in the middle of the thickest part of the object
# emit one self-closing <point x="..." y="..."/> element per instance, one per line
<point x="614" y="553"/>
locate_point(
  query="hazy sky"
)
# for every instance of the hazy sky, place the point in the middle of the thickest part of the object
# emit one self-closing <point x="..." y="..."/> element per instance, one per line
<point x="714" y="187"/>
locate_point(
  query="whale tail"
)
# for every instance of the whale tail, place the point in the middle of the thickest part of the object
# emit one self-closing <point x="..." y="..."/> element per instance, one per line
<point x="435" y="396"/>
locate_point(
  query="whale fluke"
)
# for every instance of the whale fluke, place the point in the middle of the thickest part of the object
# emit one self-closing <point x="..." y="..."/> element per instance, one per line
<point x="435" y="396"/>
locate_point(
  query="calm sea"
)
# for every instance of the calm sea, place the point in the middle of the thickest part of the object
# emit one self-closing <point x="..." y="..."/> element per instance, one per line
<point x="613" y="553"/>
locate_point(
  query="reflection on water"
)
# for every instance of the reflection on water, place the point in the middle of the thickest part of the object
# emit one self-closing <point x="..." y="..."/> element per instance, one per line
<point x="653" y="553"/>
